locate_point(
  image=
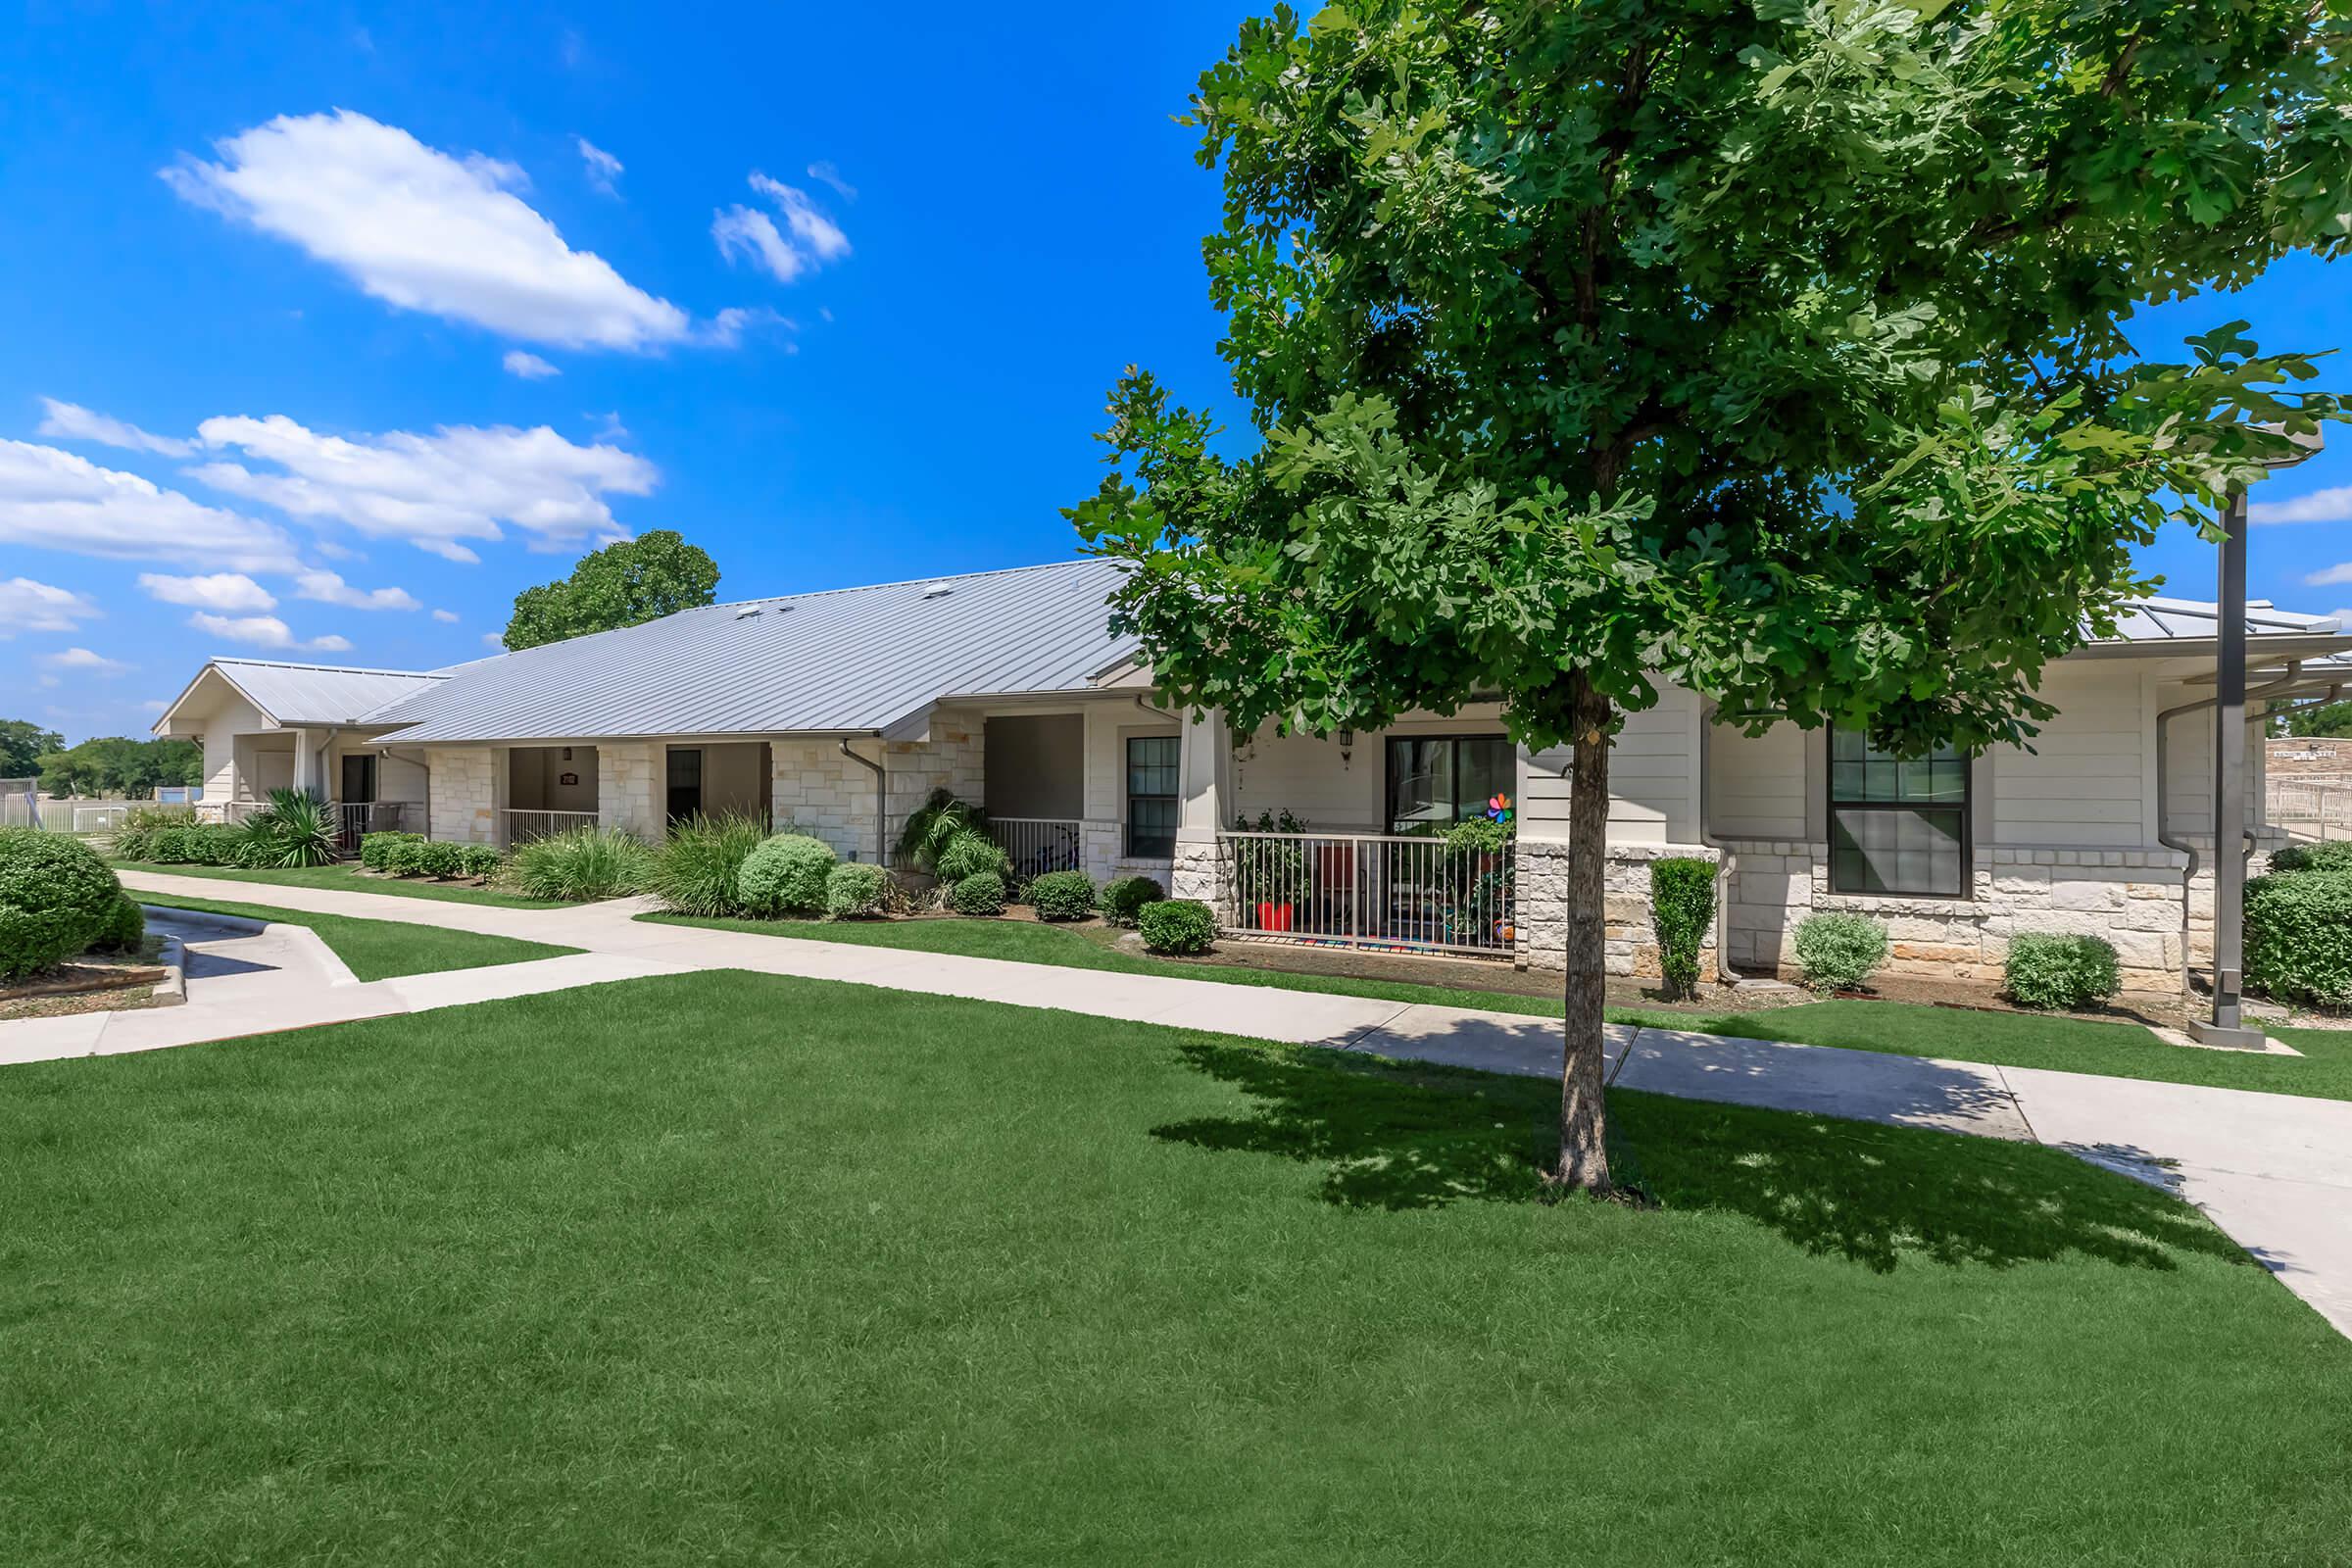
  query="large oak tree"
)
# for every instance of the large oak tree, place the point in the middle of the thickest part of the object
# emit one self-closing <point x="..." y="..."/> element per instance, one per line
<point x="1775" y="349"/>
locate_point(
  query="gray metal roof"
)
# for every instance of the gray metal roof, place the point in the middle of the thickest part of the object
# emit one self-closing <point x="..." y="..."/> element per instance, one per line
<point x="2164" y="620"/>
<point x="318" y="694"/>
<point x="845" y="661"/>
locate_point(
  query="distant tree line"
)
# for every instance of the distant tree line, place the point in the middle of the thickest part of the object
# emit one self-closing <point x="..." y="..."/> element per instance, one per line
<point x="111" y="764"/>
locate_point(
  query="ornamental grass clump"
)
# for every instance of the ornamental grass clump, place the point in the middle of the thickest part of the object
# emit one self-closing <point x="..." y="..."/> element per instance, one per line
<point x="580" y="863"/>
<point x="56" y="898"/>
<point x="1839" y="952"/>
<point x="788" y="874"/>
<point x="1681" y="904"/>
<point x="2046" y="969"/>
<point x="698" y="867"/>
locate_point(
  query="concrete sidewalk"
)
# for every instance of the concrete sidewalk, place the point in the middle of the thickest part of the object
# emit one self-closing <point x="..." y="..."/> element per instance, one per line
<point x="2275" y="1171"/>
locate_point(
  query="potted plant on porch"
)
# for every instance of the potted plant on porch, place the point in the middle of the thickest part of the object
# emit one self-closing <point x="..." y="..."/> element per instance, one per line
<point x="1269" y="875"/>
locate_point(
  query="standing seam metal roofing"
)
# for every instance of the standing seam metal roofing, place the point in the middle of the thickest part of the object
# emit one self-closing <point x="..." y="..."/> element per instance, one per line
<point x="848" y="660"/>
<point x="318" y="694"/>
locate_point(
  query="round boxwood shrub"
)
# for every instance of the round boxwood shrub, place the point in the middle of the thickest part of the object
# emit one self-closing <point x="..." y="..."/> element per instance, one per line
<point x="2336" y="854"/>
<point x="2046" y="969"/>
<point x="125" y="926"/>
<point x="1177" y="925"/>
<point x="376" y="849"/>
<point x="2299" y="937"/>
<point x="855" y="891"/>
<point x="1839" y="952"/>
<point x="981" y="892"/>
<point x="56" y="896"/>
<point x="478" y="860"/>
<point x="440" y="861"/>
<point x="787" y="874"/>
<point x="1062" y="895"/>
<point x="968" y="853"/>
<point x="1123" y="897"/>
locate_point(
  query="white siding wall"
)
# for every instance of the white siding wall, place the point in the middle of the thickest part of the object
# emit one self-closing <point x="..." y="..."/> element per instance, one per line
<point x="2084" y="783"/>
<point x="1305" y="775"/>
<point x="1760" y="782"/>
<point x="1653" y="774"/>
<point x="234" y="720"/>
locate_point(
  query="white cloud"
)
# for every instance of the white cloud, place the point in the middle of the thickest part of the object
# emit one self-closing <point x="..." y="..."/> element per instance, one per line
<point x="746" y="232"/>
<point x="495" y="640"/>
<point x="2332" y="576"/>
<point x="2321" y="506"/>
<point x="327" y="588"/>
<point x="434" y="491"/>
<point x="530" y="367"/>
<point x="82" y="659"/>
<point x="262" y="631"/>
<point x="603" y="167"/>
<point x="52" y="499"/>
<point x="826" y="172"/>
<point x="447" y="617"/>
<point x="28" y="606"/>
<point x="422" y="230"/>
<point x="74" y="423"/>
<point x="220" y="590"/>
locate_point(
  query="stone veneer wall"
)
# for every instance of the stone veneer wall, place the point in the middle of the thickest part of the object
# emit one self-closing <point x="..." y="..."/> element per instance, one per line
<point x="462" y="795"/>
<point x="630" y="793"/>
<point x="1197" y="873"/>
<point x="831" y="797"/>
<point x="2131" y="896"/>
<point x="1541" y="900"/>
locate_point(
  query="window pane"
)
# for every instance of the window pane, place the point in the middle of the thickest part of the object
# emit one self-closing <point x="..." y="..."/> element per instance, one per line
<point x="1152" y="827"/>
<point x="1151" y="764"/>
<point x="1488" y="766"/>
<point x="1859" y="772"/>
<point x="1913" y="852"/>
<point x="1420" y="785"/>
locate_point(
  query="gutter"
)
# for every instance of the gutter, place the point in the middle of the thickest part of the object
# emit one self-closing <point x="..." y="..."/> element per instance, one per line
<point x="2164" y="834"/>
<point x="881" y="805"/>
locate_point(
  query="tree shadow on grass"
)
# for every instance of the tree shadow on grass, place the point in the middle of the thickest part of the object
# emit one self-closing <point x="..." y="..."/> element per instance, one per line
<point x="1405" y="1136"/>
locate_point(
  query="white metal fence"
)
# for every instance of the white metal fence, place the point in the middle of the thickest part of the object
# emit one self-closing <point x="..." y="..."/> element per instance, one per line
<point x="525" y="825"/>
<point x="2311" y="809"/>
<point x="1039" y="844"/>
<point x="1367" y="890"/>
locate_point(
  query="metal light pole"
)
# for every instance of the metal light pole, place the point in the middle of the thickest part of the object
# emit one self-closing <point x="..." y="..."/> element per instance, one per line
<point x="2226" y="1026"/>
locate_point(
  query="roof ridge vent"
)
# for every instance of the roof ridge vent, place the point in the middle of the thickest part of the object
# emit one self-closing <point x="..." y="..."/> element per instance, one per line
<point x="938" y="590"/>
<point x="745" y="615"/>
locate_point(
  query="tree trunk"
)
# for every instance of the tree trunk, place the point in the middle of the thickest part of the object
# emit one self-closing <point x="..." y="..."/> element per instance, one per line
<point x="1584" y="1119"/>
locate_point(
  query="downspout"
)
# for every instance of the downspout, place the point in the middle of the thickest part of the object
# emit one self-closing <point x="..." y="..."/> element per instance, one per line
<point x="2164" y="834"/>
<point x="881" y="802"/>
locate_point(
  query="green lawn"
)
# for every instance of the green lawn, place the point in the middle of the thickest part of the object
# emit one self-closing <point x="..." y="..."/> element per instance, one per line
<point x="346" y="878"/>
<point x="381" y="950"/>
<point x="2003" y="1039"/>
<point x="731" y="1269"/>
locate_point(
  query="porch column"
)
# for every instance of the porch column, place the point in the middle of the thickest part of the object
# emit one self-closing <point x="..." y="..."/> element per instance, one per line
<point x="1205" y="780"/>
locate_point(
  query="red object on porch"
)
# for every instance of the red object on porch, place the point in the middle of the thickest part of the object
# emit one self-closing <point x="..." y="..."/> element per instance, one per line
<point x="1273" y="916"/>
<point x="1335" y="866"/>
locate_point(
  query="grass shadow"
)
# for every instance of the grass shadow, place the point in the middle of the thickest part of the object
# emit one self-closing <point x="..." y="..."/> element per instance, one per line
<point x="1407" y="1136"/>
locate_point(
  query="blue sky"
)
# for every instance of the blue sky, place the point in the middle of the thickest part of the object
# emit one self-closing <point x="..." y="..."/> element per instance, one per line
<point x="839" y="301"/>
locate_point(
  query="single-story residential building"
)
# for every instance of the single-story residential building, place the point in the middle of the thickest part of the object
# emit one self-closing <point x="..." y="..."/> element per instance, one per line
<point x="841" y="711"/>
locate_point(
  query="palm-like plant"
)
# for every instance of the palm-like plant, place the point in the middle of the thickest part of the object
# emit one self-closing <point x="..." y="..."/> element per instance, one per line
<point x="934" y="825"/>
<point x="294" y="829"/>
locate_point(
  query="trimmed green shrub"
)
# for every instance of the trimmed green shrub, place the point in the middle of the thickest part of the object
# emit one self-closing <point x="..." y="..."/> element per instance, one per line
<point x="135" y="840"/>
<point x="56" y="896"/>
<point x="2299" y="937"/>
<point x="1177" y="925"/>
<point x="1124" y="896"/>
<point x="696" y="867"/>
<point x="375" y="849"/>
<point x="968" y="853"/>
<point x="1682" y="904"/>
<point x="172" y="844"/>
<point x="405" y="857"/>
<point x="294" y="829"/>
<point x="1839" y="952"/>
<point x="126" y="927"/>
<point x="981" y="892"/>
<point x="478" y="861"/>
<point x="221" y="843"/>
<point x="2336" y="854"/>
<point x="856" y="892"/>
<point x="440" y="861"/>
<point x="580" y="863"/>
<point x="788" y="874"/>
<point x="2046" y="969"/>
<point x="1062" y="895"/>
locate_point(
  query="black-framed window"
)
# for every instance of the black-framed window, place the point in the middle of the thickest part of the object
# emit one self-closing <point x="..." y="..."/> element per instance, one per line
<point x="1438" y="780"/>
<point x="1897" y="825"/>
<point x="1152" y="797"/>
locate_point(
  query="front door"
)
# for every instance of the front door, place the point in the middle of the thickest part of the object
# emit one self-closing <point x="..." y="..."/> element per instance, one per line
<point x="685" y="783"/>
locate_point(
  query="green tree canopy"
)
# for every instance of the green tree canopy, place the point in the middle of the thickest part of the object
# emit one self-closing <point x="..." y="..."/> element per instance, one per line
<point x="625" y="584"/>
<point x="117" y="765"/>
<point x="1776" y="349"/>
<point x="2331" y="721"/>
<point x="22" y="745"/>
